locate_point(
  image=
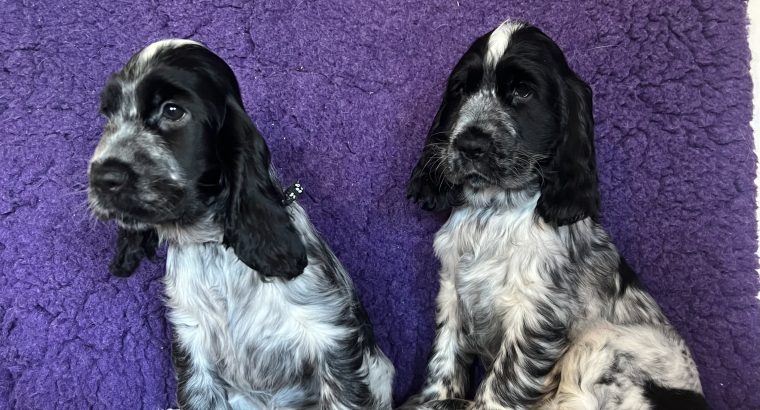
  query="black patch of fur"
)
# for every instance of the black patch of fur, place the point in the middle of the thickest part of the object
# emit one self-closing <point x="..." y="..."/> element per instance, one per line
<point x="569" y="187"/>
<point x="663" y="398"/>
<point x="181" y="362"/>
<point x="628" y="277"/>
<point x="256" y="224"/>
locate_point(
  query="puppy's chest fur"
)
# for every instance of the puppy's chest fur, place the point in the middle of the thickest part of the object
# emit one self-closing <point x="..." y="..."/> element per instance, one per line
<point x="256" y="335"/>
<point x="499" y="260"/>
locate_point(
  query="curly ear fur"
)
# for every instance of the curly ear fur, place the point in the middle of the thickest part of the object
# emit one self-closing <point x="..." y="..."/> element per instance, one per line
<point x="131" y="248"/>
<point x="256" y="224"/>
<point x="569" y="190"/>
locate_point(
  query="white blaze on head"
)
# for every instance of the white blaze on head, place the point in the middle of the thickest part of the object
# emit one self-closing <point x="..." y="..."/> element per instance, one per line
<point x="151" y="50"/>
<point x="499" y="40"/>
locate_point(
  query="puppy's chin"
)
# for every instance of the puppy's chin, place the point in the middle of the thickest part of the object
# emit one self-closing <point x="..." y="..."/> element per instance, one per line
<point x="465" y="173"/>
<point x="129" y="216"/>
<point x="134" y="225"/>
<point x="478" y="180"/>
<point x="475" y="181"/>
<point x="122" y="220"/>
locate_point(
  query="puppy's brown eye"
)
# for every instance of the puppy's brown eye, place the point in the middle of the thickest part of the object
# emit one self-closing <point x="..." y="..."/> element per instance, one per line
<point x="172" y="112"/>
<point x="522" y="91"/>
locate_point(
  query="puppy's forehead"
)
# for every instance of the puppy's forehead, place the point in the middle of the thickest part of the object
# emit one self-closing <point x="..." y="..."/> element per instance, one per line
<point x="122" y="87"/>
<point x="152" y="49"/>
<point x="499" y="40"/>
<point x="141" y="62"/>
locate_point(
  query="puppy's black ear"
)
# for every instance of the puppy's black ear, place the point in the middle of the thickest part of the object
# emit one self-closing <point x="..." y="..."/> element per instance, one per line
<point x="131" y="248"/>
<point x="256" y="224"/>
<point x="428" y="184"/>
<point x="569" y="190"/>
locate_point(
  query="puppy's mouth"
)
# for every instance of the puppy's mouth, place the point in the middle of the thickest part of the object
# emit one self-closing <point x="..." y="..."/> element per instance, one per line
<point x="509" y="174"/>
<point x="124" y="216"/>
<point x="477" y="180"/>
<point x="465" y="171"/>
<point x="133" y="210"/>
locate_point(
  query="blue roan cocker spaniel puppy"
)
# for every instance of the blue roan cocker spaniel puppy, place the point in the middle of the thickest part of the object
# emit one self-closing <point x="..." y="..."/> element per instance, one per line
<point x="530" y="284"/>
<point x="264" y="315"/>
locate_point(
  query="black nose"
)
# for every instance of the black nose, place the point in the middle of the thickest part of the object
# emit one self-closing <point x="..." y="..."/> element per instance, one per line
<point x="473" y="143"/>
<point x="110" y="175"/>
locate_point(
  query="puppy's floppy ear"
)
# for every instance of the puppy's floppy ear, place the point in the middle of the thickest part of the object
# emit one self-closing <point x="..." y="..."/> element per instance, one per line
<point x="256" y="224"/>
<point x="131" y="248"/>
<point x="428" y="185"/>
<point x="569" y="190"/>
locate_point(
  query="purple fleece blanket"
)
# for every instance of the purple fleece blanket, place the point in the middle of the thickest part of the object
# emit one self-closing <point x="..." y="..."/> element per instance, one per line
<point x="344" y="93"/>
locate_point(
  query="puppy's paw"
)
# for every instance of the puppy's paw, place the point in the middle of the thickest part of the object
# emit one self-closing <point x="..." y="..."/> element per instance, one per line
<point x="131" y="248"/>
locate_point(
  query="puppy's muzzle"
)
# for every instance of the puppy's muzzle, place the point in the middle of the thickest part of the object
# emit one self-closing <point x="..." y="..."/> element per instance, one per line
<point x="473" y="143"/>
<point x="111" y="176"/>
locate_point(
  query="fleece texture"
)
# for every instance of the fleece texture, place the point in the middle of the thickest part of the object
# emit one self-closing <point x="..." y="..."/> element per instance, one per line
<point x="344" y="92"/>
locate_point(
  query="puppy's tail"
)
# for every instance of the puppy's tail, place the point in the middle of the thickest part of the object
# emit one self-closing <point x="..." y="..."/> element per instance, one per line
<point x="664" y="398"/>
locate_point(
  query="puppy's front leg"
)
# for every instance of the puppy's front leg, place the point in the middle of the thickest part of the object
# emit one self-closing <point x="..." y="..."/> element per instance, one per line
<point x="342" y="382"/>
<point x="197" y="388"/>
<point x="518" y="377"/>
<point x="449" y="364"/>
